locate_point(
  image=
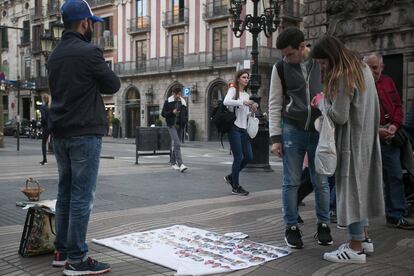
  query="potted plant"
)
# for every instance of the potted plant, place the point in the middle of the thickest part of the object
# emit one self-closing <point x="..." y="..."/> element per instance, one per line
<point x="116" y="123"/>
<point x="191" y="130"/>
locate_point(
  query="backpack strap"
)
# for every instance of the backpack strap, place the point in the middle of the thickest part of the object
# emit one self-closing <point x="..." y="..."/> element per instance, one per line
<point x="281" y="73"/>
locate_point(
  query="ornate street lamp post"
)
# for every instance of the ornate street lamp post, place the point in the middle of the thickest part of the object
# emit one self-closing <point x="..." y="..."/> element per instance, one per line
<point x="268" y="22"/>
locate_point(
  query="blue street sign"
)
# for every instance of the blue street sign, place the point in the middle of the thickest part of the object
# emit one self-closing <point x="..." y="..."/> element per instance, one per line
<point x="186" y="91"/>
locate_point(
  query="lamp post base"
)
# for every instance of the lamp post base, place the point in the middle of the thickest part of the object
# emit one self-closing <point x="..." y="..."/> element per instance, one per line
<point x="260" y="148"/>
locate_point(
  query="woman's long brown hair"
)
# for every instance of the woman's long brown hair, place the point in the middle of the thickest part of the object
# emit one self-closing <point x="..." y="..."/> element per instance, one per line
<point x="344" y="64"/>
<point x="236" y="81"/>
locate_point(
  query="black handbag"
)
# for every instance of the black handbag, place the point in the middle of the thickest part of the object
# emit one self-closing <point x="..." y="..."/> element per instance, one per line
<point x="38" y="233"/>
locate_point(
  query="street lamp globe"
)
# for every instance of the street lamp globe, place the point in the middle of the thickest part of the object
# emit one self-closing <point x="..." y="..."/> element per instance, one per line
<point x="46" y="44"/>
<point x="57" y="30"/>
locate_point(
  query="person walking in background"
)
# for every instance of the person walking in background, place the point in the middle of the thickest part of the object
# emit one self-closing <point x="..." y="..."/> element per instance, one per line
<point x="351" y="102"/>
<point x="78" y="75"/>
<point x="44" y="121"/>
<point x="294" y="81"/>
<point x="239" y="102"/>
<point x="390" y="121"/>
<point x="175" y="113"/>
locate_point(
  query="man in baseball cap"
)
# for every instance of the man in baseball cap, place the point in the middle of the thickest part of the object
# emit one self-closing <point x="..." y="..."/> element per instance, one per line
<point x="78" y="76"/>
<point x="79" y="11"/>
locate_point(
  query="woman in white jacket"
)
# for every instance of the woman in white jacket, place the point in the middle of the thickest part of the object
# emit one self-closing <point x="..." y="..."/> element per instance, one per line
<point x="238" y="101"/>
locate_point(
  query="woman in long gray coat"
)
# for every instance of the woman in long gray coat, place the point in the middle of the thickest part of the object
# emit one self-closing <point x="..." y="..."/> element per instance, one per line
<point x="352" y="104"/>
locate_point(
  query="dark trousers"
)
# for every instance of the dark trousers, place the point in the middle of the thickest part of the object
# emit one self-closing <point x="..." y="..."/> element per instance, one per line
<point x="45" y="136"/>
<point x="393" y="184"/>
<point x="306" y="188"/>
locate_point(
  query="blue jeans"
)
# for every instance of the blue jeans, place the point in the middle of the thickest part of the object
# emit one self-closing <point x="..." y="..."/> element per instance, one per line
<point x="356" y="230"/>
<point x="78" y="163"/>
<point x="242" y="152"/>
<point x="297" y="142"/>
<point x="393" y="185"/>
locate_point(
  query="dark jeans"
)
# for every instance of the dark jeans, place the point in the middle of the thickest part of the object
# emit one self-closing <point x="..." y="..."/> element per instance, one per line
<point x="45" y="136"/>
<point x="393" y="184"/>
<point x="78" y="163"/>
<point x="242" y="152"/>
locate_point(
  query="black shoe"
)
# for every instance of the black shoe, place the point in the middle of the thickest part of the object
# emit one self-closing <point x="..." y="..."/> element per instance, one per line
<point x="402" y="223"/>
<point x="227" y="180"/>
<point x="293" y="237"/>
<point x="323" y="234"/>
<point x="60" y="259"/>
<point x="88" y="267"/>
<point x="300" y="220"/>
<point x="43" y="163"/>
<point x="239" y="191"/>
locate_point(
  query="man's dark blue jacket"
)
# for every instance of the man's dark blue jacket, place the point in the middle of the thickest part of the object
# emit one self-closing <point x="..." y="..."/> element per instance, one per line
<point x="78" y="75"/>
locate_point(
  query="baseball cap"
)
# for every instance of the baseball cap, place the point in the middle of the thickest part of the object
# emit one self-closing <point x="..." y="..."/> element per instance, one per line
<point x="75" y="10"/>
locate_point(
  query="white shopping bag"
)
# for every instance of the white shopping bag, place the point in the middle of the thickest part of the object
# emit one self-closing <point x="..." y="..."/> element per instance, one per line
<point x="325" y="156"/>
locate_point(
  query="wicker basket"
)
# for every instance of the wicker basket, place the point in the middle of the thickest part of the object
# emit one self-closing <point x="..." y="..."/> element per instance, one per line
<point x="32" y="193"/>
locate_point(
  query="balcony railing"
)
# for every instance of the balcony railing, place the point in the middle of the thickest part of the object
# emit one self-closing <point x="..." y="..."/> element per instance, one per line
<point x="36" y="13"/>
<point x="220" y="58"/>
<point x="215" y="10"/>
<point x="198" y="61"/>
<point x="175" y="18"/>
<point x="36" y="46"/>
<point x="53" y="8"/>
<point x="105" y="43"/>
<point x="139" y="25"/>
<point x="177" y="62"/>
<point x="41" y="83"/>
<point x="292" y="10"/>
<point x="97" y="3"/>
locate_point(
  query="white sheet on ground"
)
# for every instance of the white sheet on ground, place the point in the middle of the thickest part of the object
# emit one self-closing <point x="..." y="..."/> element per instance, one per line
<point x="193" y="251"/>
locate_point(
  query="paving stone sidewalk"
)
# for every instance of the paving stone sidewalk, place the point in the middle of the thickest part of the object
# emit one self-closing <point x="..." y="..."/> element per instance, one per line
<point x="257" y="215"/>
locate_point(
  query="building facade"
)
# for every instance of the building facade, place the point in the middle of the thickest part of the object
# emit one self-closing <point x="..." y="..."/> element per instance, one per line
<point x="154" y="46"/>
<point x="189" y="44"/>
<point x="382" y="26"/>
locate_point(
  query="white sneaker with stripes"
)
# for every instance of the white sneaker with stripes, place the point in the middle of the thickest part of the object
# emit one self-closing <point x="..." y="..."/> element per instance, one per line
<point x="344" y="254"/>
<point x="368" y="246"/>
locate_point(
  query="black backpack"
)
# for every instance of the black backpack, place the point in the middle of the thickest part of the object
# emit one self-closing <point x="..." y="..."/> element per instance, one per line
<point x="223" y="119"/>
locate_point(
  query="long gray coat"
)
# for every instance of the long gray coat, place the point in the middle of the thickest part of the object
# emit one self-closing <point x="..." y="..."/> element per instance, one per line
<point x="358" y="175"/>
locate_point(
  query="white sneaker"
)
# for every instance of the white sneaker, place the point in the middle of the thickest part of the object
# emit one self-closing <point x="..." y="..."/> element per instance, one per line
<point x="368" y="246"/>
<point x="344" y="254"/>
<point x="182" y="168"/>
<point x="175" y="167"/>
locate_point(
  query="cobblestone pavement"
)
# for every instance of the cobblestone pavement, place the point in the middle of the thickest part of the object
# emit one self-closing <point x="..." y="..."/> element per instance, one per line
<point x="258" y="215"/>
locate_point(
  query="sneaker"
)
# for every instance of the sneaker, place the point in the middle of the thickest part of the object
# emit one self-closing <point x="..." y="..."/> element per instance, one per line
<point x="88" y="267"/>
<point x="293" y="237"/>
<point x="60" y="259"/>
<point x="300" y="220"/>
<point x="183" y="168"/>
<point x="333" y="216"/>
<point x="368" y="246"/>
<point x="342" y="227"/>
<point x="344" y="254"/>
<point x="175" y="167"/>
<point x="402" y="223"/>
<point x="43" y="163"/>
<point x="239" y="191"/>
<point x="227" y="180"/>
<point x="323" y="234"/>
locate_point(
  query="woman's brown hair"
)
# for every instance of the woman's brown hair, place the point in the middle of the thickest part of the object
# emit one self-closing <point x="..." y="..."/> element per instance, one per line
<point x="236" y="81"/>
<point x="344" y="64"/>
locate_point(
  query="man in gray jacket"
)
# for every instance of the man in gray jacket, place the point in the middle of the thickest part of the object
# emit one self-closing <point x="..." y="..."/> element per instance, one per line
<point x="295" y="81"/>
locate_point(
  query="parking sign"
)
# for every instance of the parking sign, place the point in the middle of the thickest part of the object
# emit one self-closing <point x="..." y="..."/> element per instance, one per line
<point x="186" y="91"/>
